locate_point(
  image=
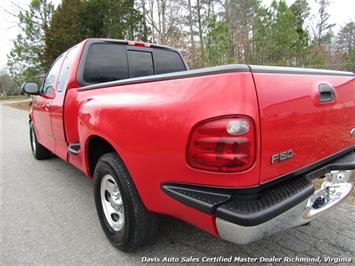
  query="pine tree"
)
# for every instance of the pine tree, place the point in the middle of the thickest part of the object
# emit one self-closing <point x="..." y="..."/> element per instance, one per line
<point x="300" y="10"/>
<point x="26" y="59"/>
<point x="323" y="25"/>
<point x="76" y="20"/>
<point x="64" y="31"/>
<point x="346" y="45"/>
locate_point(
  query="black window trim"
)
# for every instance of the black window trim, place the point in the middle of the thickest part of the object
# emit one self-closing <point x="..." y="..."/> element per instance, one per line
<point x="80" y="72"/>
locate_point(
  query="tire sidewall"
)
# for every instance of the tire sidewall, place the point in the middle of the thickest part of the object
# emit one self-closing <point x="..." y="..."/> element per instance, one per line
<point x="118" y="238"/>
<point x="31" y="138"/>
<point x="39" y="152"/>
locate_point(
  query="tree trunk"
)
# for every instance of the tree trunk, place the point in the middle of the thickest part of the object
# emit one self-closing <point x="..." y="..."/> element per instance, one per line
<point x="200" y="30"/>
<point x="193" y="56"/>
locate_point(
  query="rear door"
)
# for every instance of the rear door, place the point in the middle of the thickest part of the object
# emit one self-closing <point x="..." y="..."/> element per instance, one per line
<point x="306" y="116"/>
<point x="56" y="107"/>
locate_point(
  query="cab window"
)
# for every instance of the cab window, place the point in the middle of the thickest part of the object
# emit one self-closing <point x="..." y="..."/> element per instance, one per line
<point x="64" y="72"/>
<point x="51" y="76"/>
<point x="105" y="62"/>
<point x="140" y="63"/>
<point x="116" y="61"/>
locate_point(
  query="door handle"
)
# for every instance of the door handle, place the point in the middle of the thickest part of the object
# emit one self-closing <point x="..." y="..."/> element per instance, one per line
<point x="326" y="93"/>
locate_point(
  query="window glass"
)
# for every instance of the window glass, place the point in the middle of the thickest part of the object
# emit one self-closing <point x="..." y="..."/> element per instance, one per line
<point x="51" y="76"/>
<point x="64" y="72"/>
<point x="105" y="62"/>
<point x="140" y="63"/>
<point x="167" y="61"/>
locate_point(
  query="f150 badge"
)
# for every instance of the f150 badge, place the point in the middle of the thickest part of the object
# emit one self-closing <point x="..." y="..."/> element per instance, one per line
<point x="282" y="156"/>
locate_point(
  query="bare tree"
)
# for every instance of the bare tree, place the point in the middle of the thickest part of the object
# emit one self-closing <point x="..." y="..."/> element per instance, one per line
<point x="161" y="16"/>
<point x="240" y="18"/>
<point x="323" y="26"/>
<point x="191" y="27"/>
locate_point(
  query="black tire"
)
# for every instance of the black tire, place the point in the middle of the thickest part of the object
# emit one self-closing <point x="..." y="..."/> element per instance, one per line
<point x="38" y="150"/>
<point x="140" y="225"/>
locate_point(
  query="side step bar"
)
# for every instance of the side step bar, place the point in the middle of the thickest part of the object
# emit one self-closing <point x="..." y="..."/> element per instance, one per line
<point x="74" y="148"/>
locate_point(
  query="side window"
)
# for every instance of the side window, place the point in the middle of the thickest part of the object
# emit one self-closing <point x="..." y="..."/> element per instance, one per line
<point x="140" y="63"/>
<point x="51" y="76"/>
<point x="64" y="72"/>
<point x="105" y="62"/>
<point x="167" y="61"/>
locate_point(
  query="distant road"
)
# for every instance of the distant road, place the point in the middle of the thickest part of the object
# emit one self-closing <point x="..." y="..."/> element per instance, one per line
<point x="48" y="216"/>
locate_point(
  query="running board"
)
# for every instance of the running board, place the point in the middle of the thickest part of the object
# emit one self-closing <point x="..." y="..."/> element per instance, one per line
<point x="74" y="148"/>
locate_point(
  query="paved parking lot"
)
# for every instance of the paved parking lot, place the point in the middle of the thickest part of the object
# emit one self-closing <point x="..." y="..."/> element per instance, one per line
<point x="48" y="217"/>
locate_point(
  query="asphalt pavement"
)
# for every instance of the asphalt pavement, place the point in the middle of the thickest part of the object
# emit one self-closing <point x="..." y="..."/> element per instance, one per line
<point x="48" y="217"/>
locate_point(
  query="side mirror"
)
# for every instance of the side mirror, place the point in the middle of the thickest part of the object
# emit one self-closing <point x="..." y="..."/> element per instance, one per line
<point x="30" y="88"/>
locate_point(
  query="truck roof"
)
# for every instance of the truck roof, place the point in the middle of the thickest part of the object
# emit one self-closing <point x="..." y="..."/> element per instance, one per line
<point x="131" y="42"/>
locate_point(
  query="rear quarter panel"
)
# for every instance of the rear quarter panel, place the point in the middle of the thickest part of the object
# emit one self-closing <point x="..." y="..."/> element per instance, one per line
<point x="149" y="125"/>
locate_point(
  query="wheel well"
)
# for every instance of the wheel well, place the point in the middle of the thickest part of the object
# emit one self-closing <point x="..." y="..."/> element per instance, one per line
<point x="97" y="147"/>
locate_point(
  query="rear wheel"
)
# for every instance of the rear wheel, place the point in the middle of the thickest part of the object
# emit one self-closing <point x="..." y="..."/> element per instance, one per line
<point x="123" y="217"/>
<point x="38" y="150"/>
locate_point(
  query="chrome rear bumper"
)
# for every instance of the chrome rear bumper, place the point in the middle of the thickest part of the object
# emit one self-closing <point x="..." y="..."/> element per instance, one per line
<point x="337" y="185"/>
<point x="244" y="215"/>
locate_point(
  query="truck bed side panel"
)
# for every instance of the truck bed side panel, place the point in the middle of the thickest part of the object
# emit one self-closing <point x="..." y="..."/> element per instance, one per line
<point x="149" y="124"/>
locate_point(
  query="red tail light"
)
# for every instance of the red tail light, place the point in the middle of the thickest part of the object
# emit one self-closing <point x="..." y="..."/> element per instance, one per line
<point x="223" y="144"/>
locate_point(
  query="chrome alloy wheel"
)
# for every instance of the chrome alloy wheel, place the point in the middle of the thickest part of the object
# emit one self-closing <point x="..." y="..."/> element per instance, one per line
<point x="33" y="140"/>
<point x="112" y="202"/>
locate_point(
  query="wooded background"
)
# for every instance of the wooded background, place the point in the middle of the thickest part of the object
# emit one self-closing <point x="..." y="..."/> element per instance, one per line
<point x="207" y="32"/>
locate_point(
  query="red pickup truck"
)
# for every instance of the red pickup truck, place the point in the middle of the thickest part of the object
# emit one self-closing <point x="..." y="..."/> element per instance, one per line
<point x="230" y="149"/>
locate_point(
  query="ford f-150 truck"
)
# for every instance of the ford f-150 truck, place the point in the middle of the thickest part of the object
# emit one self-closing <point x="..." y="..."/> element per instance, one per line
<point x="231" y="149"/>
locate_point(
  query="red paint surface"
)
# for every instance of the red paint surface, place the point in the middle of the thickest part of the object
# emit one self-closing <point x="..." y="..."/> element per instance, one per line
<point x="149" y="125"/>
<point x="293" y="118"/>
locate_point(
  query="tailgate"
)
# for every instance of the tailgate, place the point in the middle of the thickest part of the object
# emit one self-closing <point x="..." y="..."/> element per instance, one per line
<point x="308" y="112"/>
